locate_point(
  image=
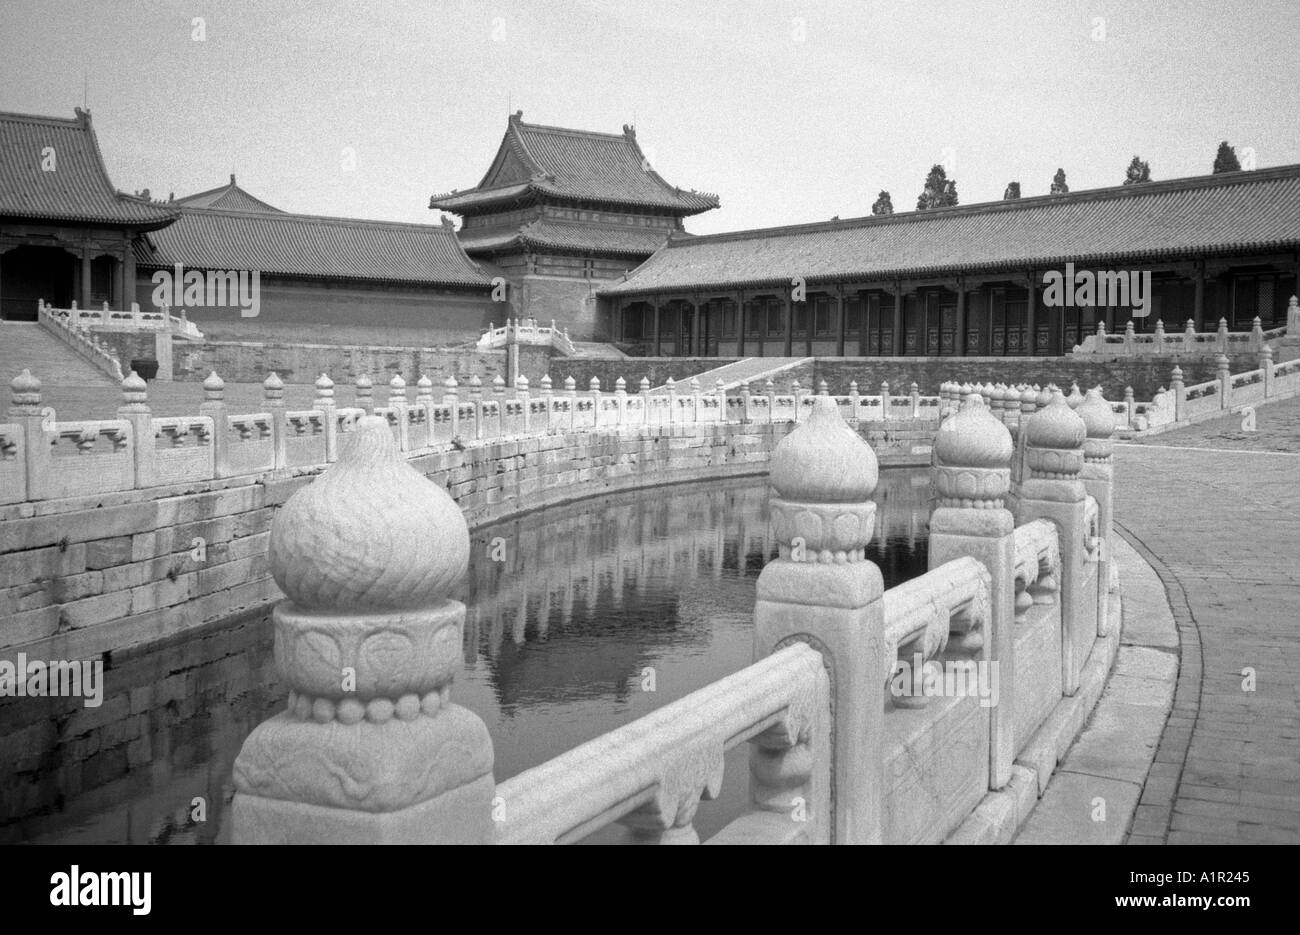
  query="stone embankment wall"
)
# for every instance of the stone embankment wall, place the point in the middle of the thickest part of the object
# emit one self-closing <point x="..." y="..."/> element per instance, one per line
<point x="252" y="362"/>
<point x="91" y="575"/>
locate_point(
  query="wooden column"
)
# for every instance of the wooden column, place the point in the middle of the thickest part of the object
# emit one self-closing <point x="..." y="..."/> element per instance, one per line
<point x="658" y="346"/>
<point x="740" y="324"/>
<point x="959" y="339"/>
<point x="1031" y="314"/>
<point x="1198" y="297"/>
<point x="789" y="324"/>
<point x="898" y="319"/>
<point x="841" y="324"/>
<point x="85" y="276"/>
<point x="128" y="276"/>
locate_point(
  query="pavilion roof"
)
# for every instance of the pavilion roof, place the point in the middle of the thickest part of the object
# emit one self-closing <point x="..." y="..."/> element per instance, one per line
<point x="77" y="189"/>
<point x="1229" y="213"/>
<point x="554" y="163"/>
<point x="310" y="246"/>
<point x="228" y="198"/>
<point x="563" y="235"/>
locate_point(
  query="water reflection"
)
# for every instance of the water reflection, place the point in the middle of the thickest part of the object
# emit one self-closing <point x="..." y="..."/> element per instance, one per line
<point x="581" y="618"/>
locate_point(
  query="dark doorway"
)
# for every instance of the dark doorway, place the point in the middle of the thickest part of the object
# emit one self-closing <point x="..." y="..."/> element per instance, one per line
<point x="28" y="274"/>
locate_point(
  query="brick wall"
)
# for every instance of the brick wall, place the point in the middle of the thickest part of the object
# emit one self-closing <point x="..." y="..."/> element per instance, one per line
<point x="571" y="302"/>
<point x="97" y="575"/>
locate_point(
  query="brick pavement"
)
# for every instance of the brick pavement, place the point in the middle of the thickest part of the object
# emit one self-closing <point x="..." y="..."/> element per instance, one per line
<point x="1217" y="513"/>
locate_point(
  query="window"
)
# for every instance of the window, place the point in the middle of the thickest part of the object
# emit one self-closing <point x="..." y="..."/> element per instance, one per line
<point x="853" y="315"/>
<point x="824" y="316"/>
<point x="729" y="319"/>
<point x="775" y="316"/>
<point x="753" y="319"/>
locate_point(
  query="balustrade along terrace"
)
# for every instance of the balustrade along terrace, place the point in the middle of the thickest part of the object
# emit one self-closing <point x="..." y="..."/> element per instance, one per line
<point x="1012" y="630"/>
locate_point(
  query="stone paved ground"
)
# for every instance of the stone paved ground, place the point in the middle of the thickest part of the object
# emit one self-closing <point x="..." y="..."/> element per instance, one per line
<point x="1217" y="513"/>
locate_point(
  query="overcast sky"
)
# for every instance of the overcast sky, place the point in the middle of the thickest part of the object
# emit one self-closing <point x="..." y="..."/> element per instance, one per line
<point x="790" y="112"/>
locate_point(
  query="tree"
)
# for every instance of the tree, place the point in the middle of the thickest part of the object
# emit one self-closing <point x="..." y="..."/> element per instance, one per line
<point x="1012" y="192"/>
<point x="1058" y="183"/>
<point x="1225" y="160"/>
<point x="883" y="205"/>
<point x="939" y="192"/>
<point x="1138" y="171"/>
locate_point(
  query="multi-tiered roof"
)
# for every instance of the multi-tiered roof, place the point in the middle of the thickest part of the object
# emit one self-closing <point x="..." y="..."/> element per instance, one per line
<point x="552" y="164"/>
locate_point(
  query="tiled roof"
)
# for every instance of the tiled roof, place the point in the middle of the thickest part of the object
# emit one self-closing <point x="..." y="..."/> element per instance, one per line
<point x="313" y="247"/>
<point x="619" y="241"/>
<point x="573" y="165"/>
<point x="1238" y="212"/>
<point x="78" y="189"/>
<point x="228" y="198"/>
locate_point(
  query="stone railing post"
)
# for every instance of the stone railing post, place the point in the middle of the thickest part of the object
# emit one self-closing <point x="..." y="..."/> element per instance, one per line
<point x="1130" y="339"/>
<point x="398" y="402"/>
<point x="273" y="393"/>
<point x="1179" y="389"/>
<point x="451" y="399"/>
<point x="885" y="404"/>
<point x="855" y="398"/>
<point x="1221" y="337"/>
<point x="1266" y="369"/>
<point x="916" y="399"/>
<point x="1130" y="408"/>
<point x="1225" y="381"/>
<point x="548" y="397"/>
<point x="593" y="387"/>
<point x="1158" y="338"/>
<point x="25" y="411"/>
<point x="1256" y="335"/>
<point x="822" y="388"/>
<point x="329" y="422"/>
<point x="522" y="395"/>
<point x="1098" y="476"/>
<point x="370" y="748"/>
<point x="671" y="386"/>
<point x="476" y="393"/>
<point x="499" y="388"/>
<point x="769" y="390"/>
<point x="720" y="391"/>
<point x="695" y="399"/>
<point x="744" y="402"/>
<point x="214" y="406"/>
<point x="365" y="394"/>
<point x="1052" y="490"/>
<point x="135" y="409"/>
<point x="643" y="390"/>
<point x="971" y="471"/>
<point x="822" y="590"/>
<point x="796" y="390"/>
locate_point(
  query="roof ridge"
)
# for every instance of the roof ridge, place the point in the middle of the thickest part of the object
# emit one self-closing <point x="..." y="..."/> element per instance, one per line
<point x="280" y="215"/>
<point x="1186" y="183"/>
<point x="38" y="118"/>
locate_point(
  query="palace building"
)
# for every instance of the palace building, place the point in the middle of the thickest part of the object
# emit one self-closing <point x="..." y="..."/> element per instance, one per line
<point x="969" y="280"/>
<point x="66" y="234"/>
<point x="560" y="212"/>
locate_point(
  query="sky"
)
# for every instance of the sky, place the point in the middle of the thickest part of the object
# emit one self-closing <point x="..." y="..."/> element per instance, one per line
<point x="789" y="111"/>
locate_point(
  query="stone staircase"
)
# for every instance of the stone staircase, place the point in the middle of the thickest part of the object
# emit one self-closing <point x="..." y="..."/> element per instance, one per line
<point x="27" y="345"/>
<point x="739" y="372"/>
<point x="596" y="349"/>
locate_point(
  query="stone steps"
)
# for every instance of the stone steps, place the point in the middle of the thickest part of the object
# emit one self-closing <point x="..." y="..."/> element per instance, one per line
<point x="27" y="345"/>
<point x="738" y="372"/>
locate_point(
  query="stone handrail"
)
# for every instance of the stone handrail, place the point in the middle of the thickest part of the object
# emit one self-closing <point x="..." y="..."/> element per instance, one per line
<point x="526" y="331"/>
<point x="1188" y="342"/>
<point x="133" y="320"/>
<point x="67" y="329"/>
<point x="651" y="774"/>
<point x="278" y="440"/>
<point x="830" y="761"/>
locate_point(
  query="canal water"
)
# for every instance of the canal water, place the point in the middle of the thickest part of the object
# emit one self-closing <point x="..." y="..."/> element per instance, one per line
<point x="581" y="618"/>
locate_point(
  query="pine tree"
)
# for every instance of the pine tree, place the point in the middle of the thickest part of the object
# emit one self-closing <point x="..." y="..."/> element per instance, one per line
<point x="1012" y="192"/>
<point x="1138" y="172"/>
<point x="883" y="205"/>
<point x="1058" y="183"/>
<point x="1225" y="160"/>
<point x="939" y="192"/>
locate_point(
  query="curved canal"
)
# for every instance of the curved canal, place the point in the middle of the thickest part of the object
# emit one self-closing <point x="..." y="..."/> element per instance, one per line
<point x="580" y="618"/>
